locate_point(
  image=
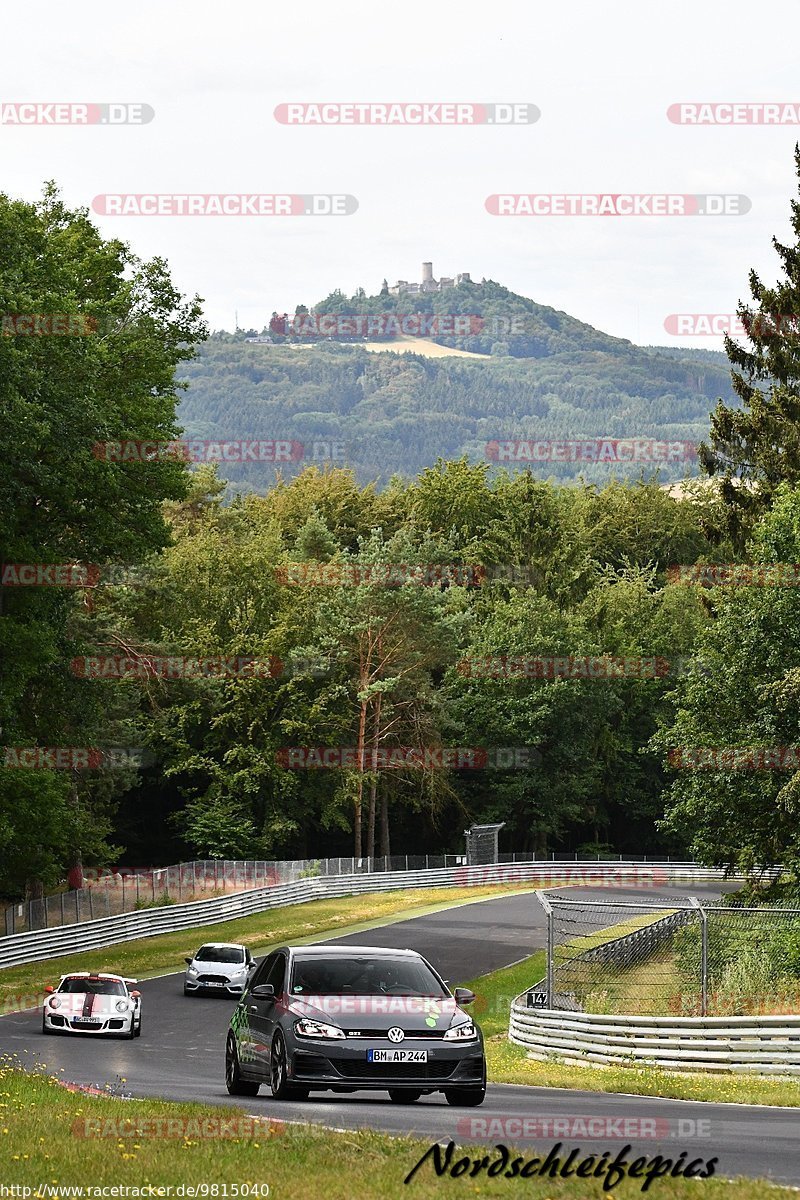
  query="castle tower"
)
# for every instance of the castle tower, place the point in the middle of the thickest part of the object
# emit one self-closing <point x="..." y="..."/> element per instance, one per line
<point x="427" y="272"/>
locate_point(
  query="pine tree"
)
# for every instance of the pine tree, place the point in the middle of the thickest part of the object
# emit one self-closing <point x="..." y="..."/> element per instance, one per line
<point x="756" y="448"/>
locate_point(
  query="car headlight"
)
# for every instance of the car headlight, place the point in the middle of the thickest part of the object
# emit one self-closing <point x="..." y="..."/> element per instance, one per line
<point x="464" y="1032"/>
<point x="316" y="1029"/>
<point x="54" y="1002"/>
<point x="122" y="1006"/>
<point x="192" y="971"/>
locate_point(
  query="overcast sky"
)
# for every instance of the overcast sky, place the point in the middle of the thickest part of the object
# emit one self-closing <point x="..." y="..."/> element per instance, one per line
<point x="603" y="76"/>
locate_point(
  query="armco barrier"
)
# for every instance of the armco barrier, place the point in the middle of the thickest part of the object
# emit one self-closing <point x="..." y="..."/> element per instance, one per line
<point x="634" y="948"/>
<point x="761" y="1045"/>
<point x="126" y="927"/>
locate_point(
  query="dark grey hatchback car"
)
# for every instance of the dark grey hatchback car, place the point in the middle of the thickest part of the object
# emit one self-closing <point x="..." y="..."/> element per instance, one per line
<point x="346" y="1018"/>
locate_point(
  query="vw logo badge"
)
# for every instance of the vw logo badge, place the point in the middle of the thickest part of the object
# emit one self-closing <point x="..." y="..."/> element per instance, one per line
<point x="395" y="1035"/>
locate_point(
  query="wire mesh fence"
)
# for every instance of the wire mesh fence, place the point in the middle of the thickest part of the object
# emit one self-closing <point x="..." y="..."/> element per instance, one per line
<point x="671" y="957"/>
<point x="113" y="892"/>
<point x="109" y="893"/>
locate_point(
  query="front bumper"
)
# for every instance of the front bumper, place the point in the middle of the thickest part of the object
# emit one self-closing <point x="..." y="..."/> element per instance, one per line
<point x="115" y="1023"/>
<point x="218" y="987"/>
<point x="344" y="1064"/>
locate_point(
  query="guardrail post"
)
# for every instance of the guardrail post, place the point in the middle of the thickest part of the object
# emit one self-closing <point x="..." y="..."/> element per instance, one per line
<point x="548" y="908"/>
<point x="703" y="955"/>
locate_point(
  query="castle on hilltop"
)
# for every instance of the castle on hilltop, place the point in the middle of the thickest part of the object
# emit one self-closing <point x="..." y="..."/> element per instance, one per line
<point x="428" y="284"/>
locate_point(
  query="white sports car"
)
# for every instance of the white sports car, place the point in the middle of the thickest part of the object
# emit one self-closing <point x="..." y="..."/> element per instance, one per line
<point x="87" y="1002"/>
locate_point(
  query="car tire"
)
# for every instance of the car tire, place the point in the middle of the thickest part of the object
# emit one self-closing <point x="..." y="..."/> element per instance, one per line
<point x="46" y="1028"/>
<point x="403" y="1095"/>
<point x="138" y="1032"/>
<point x="465" y="1097"/>
<point x="278" y="1081"/>
<point x="186" y="992"/>
<point x="236" y="1085"/>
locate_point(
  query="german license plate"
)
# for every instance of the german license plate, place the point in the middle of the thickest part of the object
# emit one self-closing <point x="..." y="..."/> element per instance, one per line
<point x="215" y="985"/>
<point x="397" y="1056"/>
<point x="86" y="1020"/>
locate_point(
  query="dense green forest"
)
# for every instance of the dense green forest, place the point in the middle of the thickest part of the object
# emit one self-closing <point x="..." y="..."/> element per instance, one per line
<point x="323" y="664"/>
<point x="397" y="413"/>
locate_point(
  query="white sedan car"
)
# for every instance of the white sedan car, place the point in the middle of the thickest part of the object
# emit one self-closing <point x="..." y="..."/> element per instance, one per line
<point x="88" y="1002"/>
<point x="222" y="967"/>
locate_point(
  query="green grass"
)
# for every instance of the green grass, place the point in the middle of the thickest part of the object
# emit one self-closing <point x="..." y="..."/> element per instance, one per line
<point x="20" y="986"/>
<point x="43" y="1142"/>
<point x="508" y="1063"/>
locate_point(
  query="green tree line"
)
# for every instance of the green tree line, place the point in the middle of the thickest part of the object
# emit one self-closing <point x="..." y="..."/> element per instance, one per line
<point x="377" y="604"/>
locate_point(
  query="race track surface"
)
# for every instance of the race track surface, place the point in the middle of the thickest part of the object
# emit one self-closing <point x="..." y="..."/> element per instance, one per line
<point x="180" y="1056"/>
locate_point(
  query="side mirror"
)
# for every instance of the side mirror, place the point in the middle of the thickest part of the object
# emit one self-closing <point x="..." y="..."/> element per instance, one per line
<point x="463" y="996"/>
<point x="264" y="991"/>
<point x="188" y="961"/>
<point x="49" y="988"/>
<point x="136" y="995"/>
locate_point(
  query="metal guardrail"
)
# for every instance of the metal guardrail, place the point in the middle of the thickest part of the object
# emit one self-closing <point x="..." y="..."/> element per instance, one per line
<point x="89" y="935"/>
<point x="624" y="951"/>
<point x="764" y="1045"/>
<point x="633" y="948"/>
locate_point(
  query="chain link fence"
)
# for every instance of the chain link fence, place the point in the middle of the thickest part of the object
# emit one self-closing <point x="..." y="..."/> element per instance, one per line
<point x="112" y="892"/>
<point x="670" y="957"/>
<point x="126" y="890"/>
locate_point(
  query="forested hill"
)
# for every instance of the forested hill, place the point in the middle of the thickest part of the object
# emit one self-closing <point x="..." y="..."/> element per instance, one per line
<point x="530" y="373"/>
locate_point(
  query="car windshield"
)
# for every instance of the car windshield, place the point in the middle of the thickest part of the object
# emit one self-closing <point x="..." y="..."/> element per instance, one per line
<point x="363" y="977"/>
<point x="219" y="954"/>
<point x="95" y="987"/>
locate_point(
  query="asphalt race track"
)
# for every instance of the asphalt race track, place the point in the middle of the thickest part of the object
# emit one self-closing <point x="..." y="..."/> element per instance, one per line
<point x="181" y="1051"/>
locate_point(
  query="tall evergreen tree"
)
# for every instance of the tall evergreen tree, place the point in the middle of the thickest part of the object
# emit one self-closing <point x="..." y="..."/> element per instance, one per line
<point x="755" y="448"/>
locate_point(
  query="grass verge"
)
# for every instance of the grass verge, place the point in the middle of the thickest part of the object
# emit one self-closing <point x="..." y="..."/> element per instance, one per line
<point x="20" y="986"/>
<point x="44" y="1144"/>
<point x="508" y="1063"/>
